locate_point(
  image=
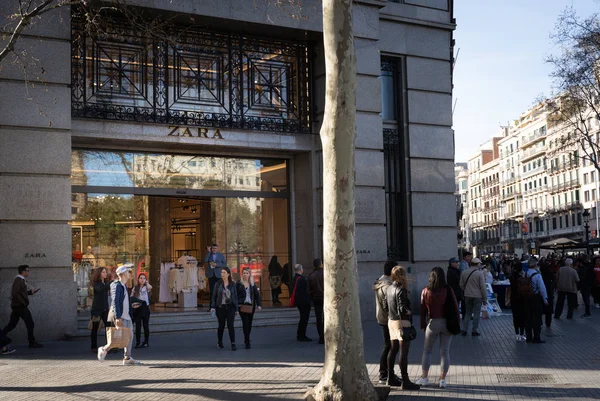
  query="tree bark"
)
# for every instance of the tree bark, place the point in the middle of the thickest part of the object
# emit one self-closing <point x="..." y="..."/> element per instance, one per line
<point x="344" y="375"/>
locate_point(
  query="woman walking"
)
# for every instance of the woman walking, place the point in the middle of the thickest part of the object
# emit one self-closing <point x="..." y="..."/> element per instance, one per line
<point x="225" y="304"/>
<point x="141" y="310"/>
<point x="439" y="310"/>
<point x="517" y="303"/>
<point x="399" y="315"/>
<point x="99" y="303"/>
<point x="249" y="300"/>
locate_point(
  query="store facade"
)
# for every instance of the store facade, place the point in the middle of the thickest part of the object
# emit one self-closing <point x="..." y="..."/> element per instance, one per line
<point x="151" y="147"/>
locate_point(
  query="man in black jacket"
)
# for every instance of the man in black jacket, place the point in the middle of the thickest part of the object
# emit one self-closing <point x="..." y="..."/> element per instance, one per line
<point x="19" y="305"/>
<point x="453" y="280"/>
<point x="316" y="291"/>
<point x="302" y="302"/>
<point x="586" y="283"/>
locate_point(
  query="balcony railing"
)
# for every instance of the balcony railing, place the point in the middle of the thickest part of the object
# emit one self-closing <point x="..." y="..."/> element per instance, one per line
<point x="535" y="190"/>
<point x="532" y="152"/>
<point x="537" y="134"/>
<point x="511" y="195"/>
<point x="568" y="165"/>
<point x="491" y="183"/>
<point x="538" y="169"/>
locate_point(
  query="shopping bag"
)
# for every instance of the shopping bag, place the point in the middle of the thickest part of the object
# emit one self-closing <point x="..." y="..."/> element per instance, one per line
<point x="484" y="313"/>
<point x="118" y="338"/>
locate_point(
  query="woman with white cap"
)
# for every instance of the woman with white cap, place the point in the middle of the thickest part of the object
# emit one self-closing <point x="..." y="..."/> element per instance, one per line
<point x="121" y="313"/>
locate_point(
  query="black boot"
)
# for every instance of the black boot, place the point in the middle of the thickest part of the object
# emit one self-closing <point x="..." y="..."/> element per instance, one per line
<point x="406" y="383"/>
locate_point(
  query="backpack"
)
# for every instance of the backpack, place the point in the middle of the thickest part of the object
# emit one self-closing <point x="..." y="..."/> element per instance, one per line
<point x="525" y="286"/>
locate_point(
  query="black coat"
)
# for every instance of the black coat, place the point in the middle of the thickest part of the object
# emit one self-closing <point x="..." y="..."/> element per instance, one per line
<point x="254" y="295"/>
<point x="453" y="279"/>
<point x="217" y="294"/>
<point x="100" y="301"/>
<point x="301" y="297"/>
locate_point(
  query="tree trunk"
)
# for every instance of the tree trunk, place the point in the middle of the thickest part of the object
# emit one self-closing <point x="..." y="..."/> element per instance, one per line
<point x="344" y="375"/>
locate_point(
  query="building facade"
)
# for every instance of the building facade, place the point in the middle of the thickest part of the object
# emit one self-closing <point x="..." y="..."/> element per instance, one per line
<point x="143" y="147"/>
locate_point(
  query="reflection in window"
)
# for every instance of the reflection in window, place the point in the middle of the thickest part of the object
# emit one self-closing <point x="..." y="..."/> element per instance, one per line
<point x="151" y="170"/>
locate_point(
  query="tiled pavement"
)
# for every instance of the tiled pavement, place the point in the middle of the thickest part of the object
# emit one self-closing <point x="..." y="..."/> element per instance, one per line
<point x="188" y="366"/>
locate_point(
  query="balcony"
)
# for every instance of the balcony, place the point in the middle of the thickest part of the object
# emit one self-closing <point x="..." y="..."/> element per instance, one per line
<point x="490" y="183"/>
<point x="511" y="195"/>
<point x="565" y="186"/>
<point x="575" y="205"/>
<point x="510" y="180"/>
<point x="537" y="135"/>
<point x="535" y="190"/>
<point x="533" y="152"/>
<point x="568" y="165"/>
<point x="577" y="230"/>
<point x="539" y="169"/>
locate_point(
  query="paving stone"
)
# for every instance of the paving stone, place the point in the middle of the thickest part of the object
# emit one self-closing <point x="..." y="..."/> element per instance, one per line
<point x="188" y="366"/>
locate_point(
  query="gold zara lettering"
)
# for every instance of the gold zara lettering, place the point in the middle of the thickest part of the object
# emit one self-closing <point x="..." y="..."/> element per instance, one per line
<point x="176" y="130"/>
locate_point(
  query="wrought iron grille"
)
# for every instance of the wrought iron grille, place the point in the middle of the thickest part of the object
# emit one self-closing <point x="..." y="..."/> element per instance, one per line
<point x="191" y="77"/>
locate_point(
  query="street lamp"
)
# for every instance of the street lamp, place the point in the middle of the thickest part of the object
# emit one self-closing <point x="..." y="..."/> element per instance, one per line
<point x="586" y="220"/>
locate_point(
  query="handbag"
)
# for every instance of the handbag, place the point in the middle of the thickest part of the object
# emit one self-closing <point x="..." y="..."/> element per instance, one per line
<point x="245" y="308"/>
<point x="293" y="297"/>
<point x="95" y="319"/>
<point x="118" y="338"/>
<point x="450" y="310"/>
<point x="409" y="332"/>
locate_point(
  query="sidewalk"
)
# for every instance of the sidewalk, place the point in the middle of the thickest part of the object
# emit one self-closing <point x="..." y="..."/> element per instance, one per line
<point x="188" y="366"/>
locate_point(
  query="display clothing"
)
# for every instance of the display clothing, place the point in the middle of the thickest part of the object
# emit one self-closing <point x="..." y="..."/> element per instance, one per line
<point x="165" y="294"/>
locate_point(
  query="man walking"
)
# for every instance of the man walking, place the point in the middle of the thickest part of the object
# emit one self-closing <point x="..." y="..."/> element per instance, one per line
<point x="302" y="302"/>
<point x="472" y="283"/>
<point x="566" y="284"/>
<point x="20" y="306"/>
<point x="216" y="261"/>
<point x="453" y="280"/>
<point x="586" y="283"/>
<point x="315" y="289"/>
<point x="381" y="312"/>
<point x="536" y="303"/>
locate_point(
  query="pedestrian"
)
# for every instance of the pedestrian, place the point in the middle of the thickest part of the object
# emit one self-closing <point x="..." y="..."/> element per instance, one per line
<point x="120" y="313"/>
<point x="302" y="302"/>
<point x="316" y="292"/>
<point x="587" y="278"/>
<point x="596" y="285"/>
<point x="453" y="280"/>
<point x="275" y="279"/>
<point x="99" y="310"/>
<point x="225" y="304"/>
<point x="517" y="303"/>
<point x="535" y="301"/>
<point x="249" y="301"/>
<point x="566" y="285"/>
<point x="466" y="262"/>
<point x="141" y="310"/>
<point x="472" y="283"/>
<point x="399" y="317"/>
<point x="548" y="277"/>
<point x="438" y="309"/>
<point x="381" y="313"/>
<point x="214" y="261"/>
<point x="19" y="305"/>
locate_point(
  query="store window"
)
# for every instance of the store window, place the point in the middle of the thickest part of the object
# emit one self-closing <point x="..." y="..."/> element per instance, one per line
<point x="250" y="223"/>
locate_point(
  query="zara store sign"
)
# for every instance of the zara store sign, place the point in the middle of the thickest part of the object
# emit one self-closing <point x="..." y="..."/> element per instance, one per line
<point x="194" y="132"/>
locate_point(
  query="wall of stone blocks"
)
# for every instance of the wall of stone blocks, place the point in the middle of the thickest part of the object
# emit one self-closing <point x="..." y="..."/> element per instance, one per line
<point x="35" y="165"/>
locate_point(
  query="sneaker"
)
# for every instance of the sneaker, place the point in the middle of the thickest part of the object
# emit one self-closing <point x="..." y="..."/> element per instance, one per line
<point x="144" y="345"/>
<point x="519" y="337"/>
<point x="233" y="347"/>
<point x="220" y="345"/>
<point x="597" y="306"/>
<point x="475" y="334"/>
<point x="8" y="351"/>
<point x="382" y="380"/>
<point x="443" y="383"/>
<point x="248" y="346"/>
<point x="101" y="354"/>
<point x="130" y="362"/>
<point x="137" y="345"/>
<point x="586" y="316"/>
<point x="523" y="337"/>
<point x="422" y="381"/>
<point x="36" y="345"/>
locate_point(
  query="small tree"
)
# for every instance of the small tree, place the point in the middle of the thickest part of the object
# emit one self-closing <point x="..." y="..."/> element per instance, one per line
<point x="344" y="375"/>
<point x="576" y="75"/>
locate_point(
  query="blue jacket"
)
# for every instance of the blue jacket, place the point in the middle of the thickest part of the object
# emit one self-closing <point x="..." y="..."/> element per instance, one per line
<point x="117" y="296"/>
<point x="220" y="263"/>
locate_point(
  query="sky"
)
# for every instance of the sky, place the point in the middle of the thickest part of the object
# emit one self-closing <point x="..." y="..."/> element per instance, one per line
<point x="500" y="70"/>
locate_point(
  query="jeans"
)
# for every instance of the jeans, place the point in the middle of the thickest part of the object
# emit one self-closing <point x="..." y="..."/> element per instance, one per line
<point x="304" y="315"/>
<point x="226" y="314"/>
<point x="127" y="350"/>
<point x="472" y="307"/>
<point x="95" y="327"/>
<point x="387" y="345"/>
<point x="318" y="304"/>
<point x="141" y="316"/>
<point x="247" y="325"/>
<point x="437" y="328"/>
<point x="15" y="315"/>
